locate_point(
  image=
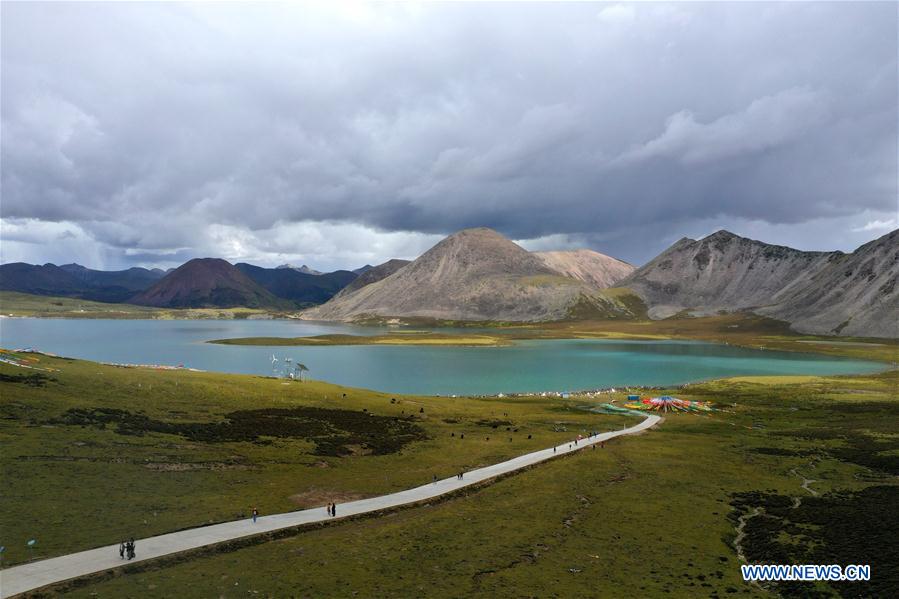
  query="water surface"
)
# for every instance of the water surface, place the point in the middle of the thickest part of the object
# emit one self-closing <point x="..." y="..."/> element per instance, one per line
<point x="534" y="365"/>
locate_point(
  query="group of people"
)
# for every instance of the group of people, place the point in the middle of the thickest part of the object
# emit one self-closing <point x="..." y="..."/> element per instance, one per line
<point x="127" y="548"/>
<point x="332" y="509"/>
<point x="602" y="444"/>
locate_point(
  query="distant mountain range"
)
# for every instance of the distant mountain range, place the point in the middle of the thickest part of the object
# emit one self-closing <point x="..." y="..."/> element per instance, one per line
<point x="297" y="286"/>
<point x="74" y="280"/>
<point x="204" y="282"/>
<point x="478" y="275"/>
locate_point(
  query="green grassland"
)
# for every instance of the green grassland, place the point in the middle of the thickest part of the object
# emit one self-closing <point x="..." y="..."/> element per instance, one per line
<point x="647" y="516"/>
<point x="17" y="304"/>
<point x="93" y="453"/>
<point x="147" y="451"/>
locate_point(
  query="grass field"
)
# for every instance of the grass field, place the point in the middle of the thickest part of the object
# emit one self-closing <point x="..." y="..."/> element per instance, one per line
<point x="652" y="515"/>
<point x="151" y="450"/>
<point x="23" y="304"/>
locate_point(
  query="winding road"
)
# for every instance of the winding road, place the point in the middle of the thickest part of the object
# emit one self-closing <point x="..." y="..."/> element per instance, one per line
<point x="35" y="575"/>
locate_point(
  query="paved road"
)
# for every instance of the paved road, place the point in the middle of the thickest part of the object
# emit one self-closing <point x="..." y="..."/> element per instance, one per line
<point x="27" y="577"/>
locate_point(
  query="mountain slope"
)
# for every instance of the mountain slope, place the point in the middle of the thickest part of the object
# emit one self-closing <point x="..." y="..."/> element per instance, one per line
<point x="588" y="266"/>
<point x="475" y="274"/>
<point x="723" y="272"/>
<point x="374" y="274"/>
<point x="814" y="291"/>
<point x="299" y="287"/>
<point x="302" y="269"/>
<point x="135" y="279"/>
<point x="206" y="282"/>
<point x="113" y="285"/>
<point x="74" y="280"/>
<point x="47" y="279"/>
<point x="855" y="294"/>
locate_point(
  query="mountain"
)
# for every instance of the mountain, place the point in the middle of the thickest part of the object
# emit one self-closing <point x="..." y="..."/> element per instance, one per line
<point x="132" y="279"/>
<point x="48" y="279"/>
<point x="204" y="283"/>
<point x="475" y="274"/>
<point x="820" y="292"/>
<point x="74" y="280"/>
<point x="299" y="287"/>
<point x="588" y="266"/>
<point x="363" y="269"/>
<point x="722" y="272"/>
<point x="855" y="294"/>
<point x="302" y="269"/>
<point x="373" y="274"/>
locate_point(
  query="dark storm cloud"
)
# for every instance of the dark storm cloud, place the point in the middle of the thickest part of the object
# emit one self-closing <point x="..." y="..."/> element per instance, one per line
<point x="171" y="130"/>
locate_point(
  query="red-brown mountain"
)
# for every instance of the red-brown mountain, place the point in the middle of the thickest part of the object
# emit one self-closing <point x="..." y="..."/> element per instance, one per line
<point x="205" y="283"/>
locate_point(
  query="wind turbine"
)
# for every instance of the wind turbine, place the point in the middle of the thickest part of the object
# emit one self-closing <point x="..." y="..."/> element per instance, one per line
<point x="274" y="363"/>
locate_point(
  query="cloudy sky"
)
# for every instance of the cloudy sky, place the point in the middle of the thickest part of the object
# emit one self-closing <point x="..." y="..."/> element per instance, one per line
<point x="147" y="134"/>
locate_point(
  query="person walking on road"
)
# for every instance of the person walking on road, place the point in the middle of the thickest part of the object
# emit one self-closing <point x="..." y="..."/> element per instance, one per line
<point x="122" y="550"/>
<point x="334" y="509"/>
<point x="255" y="515"/>
<point x="131" y="549"/>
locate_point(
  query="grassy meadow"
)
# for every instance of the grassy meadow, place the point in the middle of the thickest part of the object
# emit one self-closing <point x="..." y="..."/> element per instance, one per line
<point x="655" y="515"/>
<point x="148" y="451"/>
<point x="17" y="304"/>
<point x="797" y="469"/>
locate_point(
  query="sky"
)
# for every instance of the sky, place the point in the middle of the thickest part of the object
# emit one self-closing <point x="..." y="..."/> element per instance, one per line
<point x="340" y="134"/>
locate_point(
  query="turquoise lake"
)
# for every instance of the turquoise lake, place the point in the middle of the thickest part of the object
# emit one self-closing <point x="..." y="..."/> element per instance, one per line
<point x="544" y="365"/>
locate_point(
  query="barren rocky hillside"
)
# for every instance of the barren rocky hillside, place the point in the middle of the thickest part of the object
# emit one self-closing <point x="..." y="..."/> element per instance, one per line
<point x="373" y="275"/>
<point x="588" y="266"/>
<point x="855" y="294"/>
<point x="475" y="274"/>
<point x="821" y="292"/>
